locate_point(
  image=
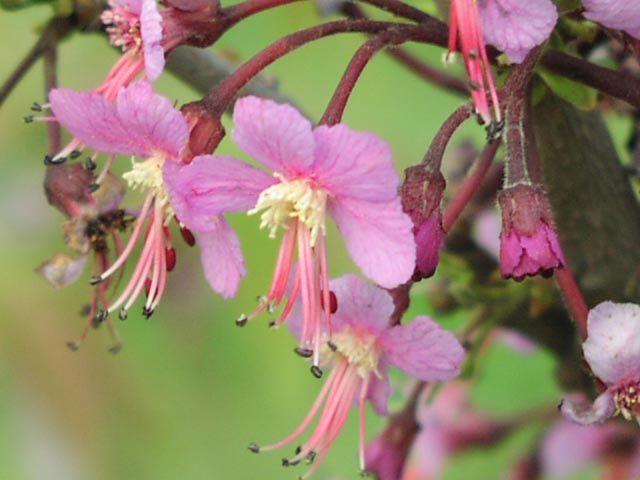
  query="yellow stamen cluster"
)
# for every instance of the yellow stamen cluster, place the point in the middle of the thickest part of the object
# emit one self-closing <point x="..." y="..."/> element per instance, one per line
<point x="299" y="198"/>
<point x="360" y="349"/>
<point x="627" y="400"/>
<point x="147" y="175"/>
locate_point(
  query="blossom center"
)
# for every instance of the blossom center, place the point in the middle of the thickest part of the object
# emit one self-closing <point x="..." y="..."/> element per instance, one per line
<point x="360" y="348"/>
<point x="148" y="175"/>
<point x="124" y="27"/>
<point x="299" y="199"/>
<point x="627" y="399"/>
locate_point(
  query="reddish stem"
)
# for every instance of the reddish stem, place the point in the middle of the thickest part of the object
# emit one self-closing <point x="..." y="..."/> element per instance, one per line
<point x="221" y="97"/>
<point x="574" y="299"/>
<point x="433" y="157"/>
<point x="51" y="81"/>
<point x="470" y="185"/>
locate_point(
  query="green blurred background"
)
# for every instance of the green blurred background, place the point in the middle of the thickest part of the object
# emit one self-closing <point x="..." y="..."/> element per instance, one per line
<point x="190" y="390"/>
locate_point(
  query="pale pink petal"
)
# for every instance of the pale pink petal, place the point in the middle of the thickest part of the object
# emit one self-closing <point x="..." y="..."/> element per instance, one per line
<point x="360" y="304"/>
<point x="423" y="350"/>
<point x="431" y="450"/>
<point x="134" y="6"/>
<point x="278" y="136"/>
<point x="486" y="231"/>
<point x="516" y="26"/>
<point x="569" y="447"/>
<point x="516" y="341"/>
<point x="62" y="270"/>
<point x="617" y="14"/>
<point x="380" y="389"/>
<point x="153" y="124"/>
<point x="151" y="32"/>
<point x="211" y="185"/>
<point x="91" y="118"/>
<point x="354" y="164"/>
<point x="585" y="413"/>
<point x="222" y="258"/>
<point x="379" y="238"/>
<point x="612" y="348"/>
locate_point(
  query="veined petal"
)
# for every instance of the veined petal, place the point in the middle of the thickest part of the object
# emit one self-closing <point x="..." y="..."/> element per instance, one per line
<point x="380" y="389"/>
<point x="423" y="350"/>
<point x="278" y="136"/>
<point x="222" y="258"/>
<point x="515" y="27"/>
<point x="91" y="118"/>
<point x="354" y="164"/>
<point x="618" y="14"/>
<point x="587" y="414"/>
<point x="152" y="122"/>
<point x="361" y="304"/>
<point x="612" y="348"/>
<point x="378" y="237"/>
<point x="211" y="185"/>
<point x="151" y="31"/>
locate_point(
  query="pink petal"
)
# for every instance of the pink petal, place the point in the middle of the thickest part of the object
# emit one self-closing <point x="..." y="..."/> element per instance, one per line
<point x="380" y="389"/>
<point x="354" y="164"/>
<point x="134" y="6"/>
<point x="584" y="413"/>
<point x="423" y="350"/>
<point x="569" y="447"/>
<point x="211" y="185"/>
<point x="151" y="32"/>
<point x="516" y="26"/>
<point x="222" y="258"/>
<point x="278" y="136"/>
<point x="379" y="238"/>
<point x="152" y="122"/>
<point x="617" y="14"/>
<point x="612" y="348"/>
<point x="360" y="304"/>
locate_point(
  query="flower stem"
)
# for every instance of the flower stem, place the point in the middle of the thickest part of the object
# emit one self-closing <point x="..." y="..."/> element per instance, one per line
<point x="574" y="298"/>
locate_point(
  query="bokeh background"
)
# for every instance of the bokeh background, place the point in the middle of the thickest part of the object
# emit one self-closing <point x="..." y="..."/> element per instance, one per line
<point x="190" y="390"/>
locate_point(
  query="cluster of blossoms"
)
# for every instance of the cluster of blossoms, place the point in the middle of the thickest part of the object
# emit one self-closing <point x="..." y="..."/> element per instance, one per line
<point x="304" y="175"/>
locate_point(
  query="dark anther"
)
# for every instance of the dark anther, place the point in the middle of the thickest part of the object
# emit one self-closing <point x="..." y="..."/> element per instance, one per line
<point x="93" y="187"/>
<point x="494" y="130"/>
<point x="188" y="236"/>
<point x="101" y="316"/>
<point x="332" y="346"/>
<point x="116" y="348"/>
<point x="254" y="447"/>
<point x="316" y="371"/>
<point x="303" y="352"/>
<point x="474" y="85"/>
<point x="123" y="314"/>
<point x="273" y="323"/>
<point x="298" y="449"/>
<point x="36" y="107"/>
<point x="96" y="279"/>
<point x="28" y="118"/>
<point x="73" y="346"/>
<point x="49" y="160"/>
<point x="89" y="164"/>
<point x="333" y="303"/>
<point x="288" y="463"/>
<point x="242" y="321"/>
<point x="311" y="456"/>
<point x="473" y="54"/>
<point x="147" y="312"/>
<point x="75" y="154"/>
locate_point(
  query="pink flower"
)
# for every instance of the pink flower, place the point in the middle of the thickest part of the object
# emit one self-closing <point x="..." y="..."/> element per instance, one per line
<point x="569" y="448"/>
<point x="612" y="350"/>
<point x="326" y="171"/>
<point x="361" y="349"/>
<point x="528" y="241"/>
<point x="515" y="26"/>
<point x="617" y="14"/>
<point x="145" y="125"/>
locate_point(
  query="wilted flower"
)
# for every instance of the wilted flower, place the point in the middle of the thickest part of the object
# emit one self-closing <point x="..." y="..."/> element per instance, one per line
<point x="145" y="125"/>
<point x="316" y="172"/>
<point x="612" y="350"/>
<point x="362" y="347"/>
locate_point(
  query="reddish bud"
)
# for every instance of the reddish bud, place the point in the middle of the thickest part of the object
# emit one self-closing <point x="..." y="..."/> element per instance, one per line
<point x="67" y="189"/>
<point x="170" y="258"/>
<point x="422" y="193"/>
<point x="188" y="236"/>
<point x="205" y="131"/>
<point x="528" y="241"/>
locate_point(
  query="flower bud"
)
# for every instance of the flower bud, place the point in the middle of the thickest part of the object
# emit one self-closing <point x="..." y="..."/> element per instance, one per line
<point x="205" y="131"/>
<point x="422" y="193"/>
<point x="528" y="241"/>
